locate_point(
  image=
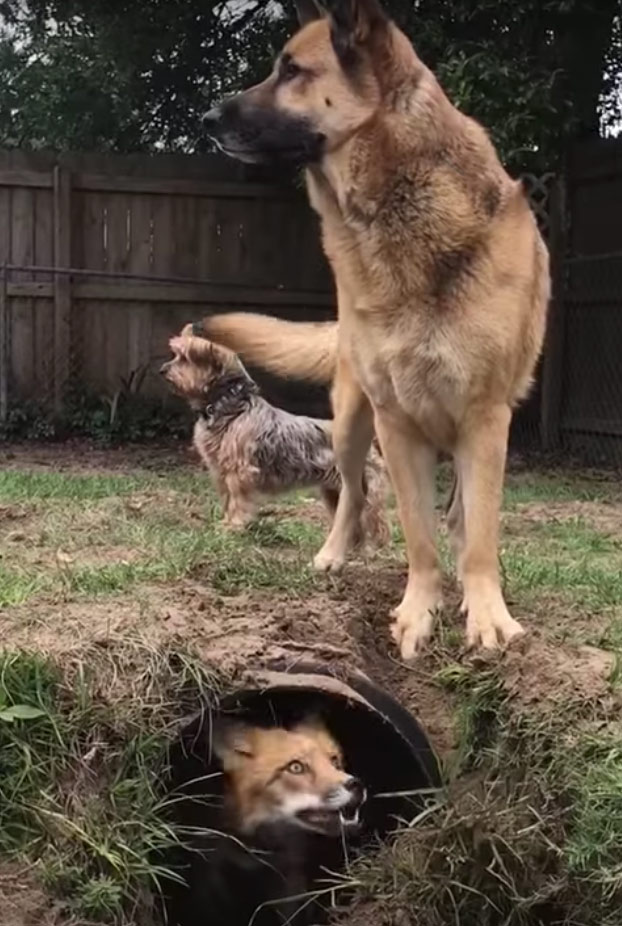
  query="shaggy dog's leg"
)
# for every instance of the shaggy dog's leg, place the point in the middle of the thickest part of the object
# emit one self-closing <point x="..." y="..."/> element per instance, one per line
<point x="411" y="463"/>
<point x="455" y="520"/>
<point x="481" y="456"/>
<point x="241" y="508"/>
<point x="352" y="435"/>
<point x="330" y="497"/>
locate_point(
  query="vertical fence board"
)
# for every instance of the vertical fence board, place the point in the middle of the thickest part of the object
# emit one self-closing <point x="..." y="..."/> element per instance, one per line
<point x="22" y="308"/>
<point x="44" y="351"/>
<point x="163" y="245"/>
<point x="553" y="357"/>
<point x="140" y="261"/>
<point x="5" y="329"/>
<point x="62" y="285"/>
<point x="4" y="344"/>
<point x="115" y="316"/>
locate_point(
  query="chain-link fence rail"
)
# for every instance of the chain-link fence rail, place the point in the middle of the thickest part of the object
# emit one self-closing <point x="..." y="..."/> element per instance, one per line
<point x="108" y="337"/>
<point x="103" y="258"/>
<point x="582" y="373"/>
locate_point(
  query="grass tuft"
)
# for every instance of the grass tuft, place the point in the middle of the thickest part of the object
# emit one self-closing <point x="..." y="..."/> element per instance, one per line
<point x="81" y="789"/>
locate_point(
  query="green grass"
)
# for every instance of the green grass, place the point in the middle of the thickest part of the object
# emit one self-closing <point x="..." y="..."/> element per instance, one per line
<point x="80" y="791"/>
<point x="569" y="558"/>
<point x="149" y="528"/>
<point x="556" y="486"/>
<point x="538" y="799"/>
<point x="18" y="486"/>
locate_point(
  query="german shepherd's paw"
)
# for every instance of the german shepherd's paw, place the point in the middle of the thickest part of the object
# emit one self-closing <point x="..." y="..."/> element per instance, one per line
<point x="414" y="621"/>
<point x="325" y="561"/>
<point x="489" y="624"/>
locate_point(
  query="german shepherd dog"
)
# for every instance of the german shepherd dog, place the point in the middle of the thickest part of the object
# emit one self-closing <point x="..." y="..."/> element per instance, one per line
<point x="252" y="448"/>
<point x="442" y="288"/>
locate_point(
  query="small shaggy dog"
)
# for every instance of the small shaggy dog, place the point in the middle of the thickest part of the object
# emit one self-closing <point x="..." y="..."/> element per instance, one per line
<point x="252" y="448"/>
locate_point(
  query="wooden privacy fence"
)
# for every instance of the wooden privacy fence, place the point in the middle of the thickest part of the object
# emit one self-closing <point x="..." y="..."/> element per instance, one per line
<point x="103" y="258"/>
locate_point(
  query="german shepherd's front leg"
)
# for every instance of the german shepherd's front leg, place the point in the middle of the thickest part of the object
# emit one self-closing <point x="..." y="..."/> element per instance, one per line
<point x="480" y="457"/>
<point x="352" y="435"/>
<point x="411" y="463"/>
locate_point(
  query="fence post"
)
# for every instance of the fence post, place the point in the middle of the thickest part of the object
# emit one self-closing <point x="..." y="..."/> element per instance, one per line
<point x="553" y="358"/>
<point x="62" y="284"/>
<point x="4" y="343"/>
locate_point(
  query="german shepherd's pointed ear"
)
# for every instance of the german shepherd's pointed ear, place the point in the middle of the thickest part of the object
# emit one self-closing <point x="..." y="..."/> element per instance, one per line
<point x="354" y="23"/>
<point x="308" y="10"/>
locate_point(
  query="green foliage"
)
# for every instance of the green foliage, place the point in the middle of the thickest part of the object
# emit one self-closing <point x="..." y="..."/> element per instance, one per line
<point x="89" y="75"/>
<point x="123" y="417"/>
<point x="95" y="75"/>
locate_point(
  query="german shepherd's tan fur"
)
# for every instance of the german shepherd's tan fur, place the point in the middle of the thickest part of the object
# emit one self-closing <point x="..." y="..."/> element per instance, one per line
<point x="442" y="287"/>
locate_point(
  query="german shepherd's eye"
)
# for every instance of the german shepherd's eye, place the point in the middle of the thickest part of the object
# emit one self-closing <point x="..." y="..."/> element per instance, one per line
<point x="288" y="69"/>
<point x="336" y="760"/>
<point x="296" y="767"/>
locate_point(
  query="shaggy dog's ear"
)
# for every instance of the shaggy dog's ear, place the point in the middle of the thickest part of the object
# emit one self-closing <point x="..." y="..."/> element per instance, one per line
<point x="177" y="344"/>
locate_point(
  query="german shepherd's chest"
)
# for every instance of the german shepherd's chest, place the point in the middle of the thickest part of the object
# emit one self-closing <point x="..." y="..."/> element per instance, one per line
<point x="404" y="275"/>
<point x="413" y="371"/>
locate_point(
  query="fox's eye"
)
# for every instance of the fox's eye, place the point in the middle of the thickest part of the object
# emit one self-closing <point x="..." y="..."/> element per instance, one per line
<point x="296" y="767"/>
<point x="336" y="760"/>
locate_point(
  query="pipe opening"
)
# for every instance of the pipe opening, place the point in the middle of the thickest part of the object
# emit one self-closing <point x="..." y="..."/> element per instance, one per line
<point x="282" y="871"/>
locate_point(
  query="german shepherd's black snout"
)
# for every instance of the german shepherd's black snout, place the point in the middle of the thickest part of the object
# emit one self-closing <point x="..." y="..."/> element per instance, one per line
<point x="212" y="118"/>
<point x="259" y="133"/>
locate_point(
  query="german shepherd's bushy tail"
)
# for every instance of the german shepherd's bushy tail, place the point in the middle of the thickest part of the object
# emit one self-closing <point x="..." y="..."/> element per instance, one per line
<point x="305" y="351"/>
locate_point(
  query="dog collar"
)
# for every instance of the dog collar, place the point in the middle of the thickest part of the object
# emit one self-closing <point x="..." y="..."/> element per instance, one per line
<point x="228" y="395"/>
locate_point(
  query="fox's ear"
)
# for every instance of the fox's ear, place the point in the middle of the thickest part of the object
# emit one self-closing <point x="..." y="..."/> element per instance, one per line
<point x="312" y="720"/>
<point x="231" y="739"/>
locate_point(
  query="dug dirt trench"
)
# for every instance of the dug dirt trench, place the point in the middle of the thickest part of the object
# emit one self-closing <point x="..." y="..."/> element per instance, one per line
<point x="384" y="746"/>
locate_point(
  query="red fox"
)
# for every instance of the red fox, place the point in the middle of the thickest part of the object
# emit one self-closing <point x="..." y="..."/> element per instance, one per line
<point x="289" y="805"/>
<point x="277" y="779"/>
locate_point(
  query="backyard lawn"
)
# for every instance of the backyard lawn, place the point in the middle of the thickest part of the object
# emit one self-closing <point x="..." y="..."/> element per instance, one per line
<point x="123" y="603"/>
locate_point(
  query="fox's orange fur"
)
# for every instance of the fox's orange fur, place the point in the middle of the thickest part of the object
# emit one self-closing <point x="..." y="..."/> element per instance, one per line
<point x="277" y="777"/>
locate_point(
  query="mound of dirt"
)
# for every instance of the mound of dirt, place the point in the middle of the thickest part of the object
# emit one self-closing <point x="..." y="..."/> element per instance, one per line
<point x="23" y="902"/>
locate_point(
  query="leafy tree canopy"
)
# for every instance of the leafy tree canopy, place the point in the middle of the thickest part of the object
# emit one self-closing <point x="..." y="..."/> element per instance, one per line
<point x="128" y="76"/>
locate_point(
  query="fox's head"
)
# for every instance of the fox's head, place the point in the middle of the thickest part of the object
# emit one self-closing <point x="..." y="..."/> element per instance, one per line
<point x="277" y="777"/>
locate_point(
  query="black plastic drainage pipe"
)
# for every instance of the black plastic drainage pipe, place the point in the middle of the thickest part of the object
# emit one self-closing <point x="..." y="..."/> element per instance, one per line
<point x="383" y="743"/>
